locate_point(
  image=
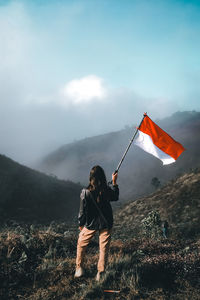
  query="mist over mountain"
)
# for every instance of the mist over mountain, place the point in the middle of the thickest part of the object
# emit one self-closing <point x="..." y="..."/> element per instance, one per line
<point x="28" y="195"/>
<point x="74" y="161"/>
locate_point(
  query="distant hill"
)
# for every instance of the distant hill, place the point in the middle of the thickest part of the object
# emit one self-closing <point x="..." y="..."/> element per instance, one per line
<point x="28" y="195"/>
<point x="178" y="202"/>
<point x="74" y="161"/>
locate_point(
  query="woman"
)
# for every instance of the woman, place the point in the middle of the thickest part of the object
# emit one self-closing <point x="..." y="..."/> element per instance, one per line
<point x="96" y="215"/>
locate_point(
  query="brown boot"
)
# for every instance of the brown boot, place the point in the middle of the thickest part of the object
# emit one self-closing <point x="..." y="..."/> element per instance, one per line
<point x="79" y="272"/>
<point x="99" y="276"/>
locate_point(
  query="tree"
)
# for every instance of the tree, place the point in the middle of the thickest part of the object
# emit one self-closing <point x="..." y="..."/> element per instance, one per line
<point x="155" y="182"/>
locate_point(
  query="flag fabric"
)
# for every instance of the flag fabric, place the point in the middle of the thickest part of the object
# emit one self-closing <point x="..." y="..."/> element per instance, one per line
<point x="152" y="139"/>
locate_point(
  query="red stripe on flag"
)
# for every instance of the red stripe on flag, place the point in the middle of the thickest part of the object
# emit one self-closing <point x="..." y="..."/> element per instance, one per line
<point x="161" y="139"/>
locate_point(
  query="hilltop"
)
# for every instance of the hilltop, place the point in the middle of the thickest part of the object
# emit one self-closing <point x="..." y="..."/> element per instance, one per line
<point x="178" y="202"/>
<point x="29" y="195"/>
<point x="38" y="262"/>
<point x="74" y="161"/>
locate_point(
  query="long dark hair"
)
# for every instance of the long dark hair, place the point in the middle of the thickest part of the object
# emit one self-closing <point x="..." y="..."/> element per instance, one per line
<point x="98" y="182"/>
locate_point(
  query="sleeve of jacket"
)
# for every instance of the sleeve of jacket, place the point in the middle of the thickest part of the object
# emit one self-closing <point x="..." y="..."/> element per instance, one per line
<point x="82" y="214"/>
<point x="114" y="192"/>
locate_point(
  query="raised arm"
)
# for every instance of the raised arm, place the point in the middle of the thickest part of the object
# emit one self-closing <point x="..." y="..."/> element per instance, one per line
<point x="82" y="215"/>
<point x="114" y="189"/>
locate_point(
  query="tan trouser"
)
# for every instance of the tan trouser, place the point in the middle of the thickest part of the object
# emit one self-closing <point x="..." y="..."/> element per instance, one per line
<point x="85" y="237"/>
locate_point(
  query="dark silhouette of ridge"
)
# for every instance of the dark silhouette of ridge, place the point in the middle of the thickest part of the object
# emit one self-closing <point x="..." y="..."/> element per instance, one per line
<point x="28" y="195"/>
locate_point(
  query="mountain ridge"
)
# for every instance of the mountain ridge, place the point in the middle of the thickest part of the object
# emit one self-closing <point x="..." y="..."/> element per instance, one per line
<point x="74" y="161"/>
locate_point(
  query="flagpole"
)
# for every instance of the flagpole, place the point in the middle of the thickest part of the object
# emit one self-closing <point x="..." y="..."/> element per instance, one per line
<point x="129" y="145"/>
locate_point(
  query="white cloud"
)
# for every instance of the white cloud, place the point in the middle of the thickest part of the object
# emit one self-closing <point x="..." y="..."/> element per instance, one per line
<point x="84" y="90"/>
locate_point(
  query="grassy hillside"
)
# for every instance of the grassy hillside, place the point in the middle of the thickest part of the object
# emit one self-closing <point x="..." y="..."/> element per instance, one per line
<point x="178" y="202"/>
<point x="74" y="161"/>
<point x="28" y="195"/>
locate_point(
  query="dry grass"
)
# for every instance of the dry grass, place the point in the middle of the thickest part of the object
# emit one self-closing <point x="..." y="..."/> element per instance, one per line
<point x="40" y="264"/>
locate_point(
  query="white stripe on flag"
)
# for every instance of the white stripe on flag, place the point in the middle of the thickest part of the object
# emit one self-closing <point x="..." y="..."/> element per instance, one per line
<point x="145" y="142"/>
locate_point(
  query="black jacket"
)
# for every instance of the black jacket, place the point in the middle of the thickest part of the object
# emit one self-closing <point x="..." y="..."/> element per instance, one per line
<point x="90" y="216"/>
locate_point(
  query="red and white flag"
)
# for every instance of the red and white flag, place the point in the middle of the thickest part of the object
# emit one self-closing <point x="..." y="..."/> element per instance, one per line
<point x="152" y="139"/>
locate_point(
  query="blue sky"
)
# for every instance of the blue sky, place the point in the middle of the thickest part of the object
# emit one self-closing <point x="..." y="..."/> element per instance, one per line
<point x="72" y="69"/>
